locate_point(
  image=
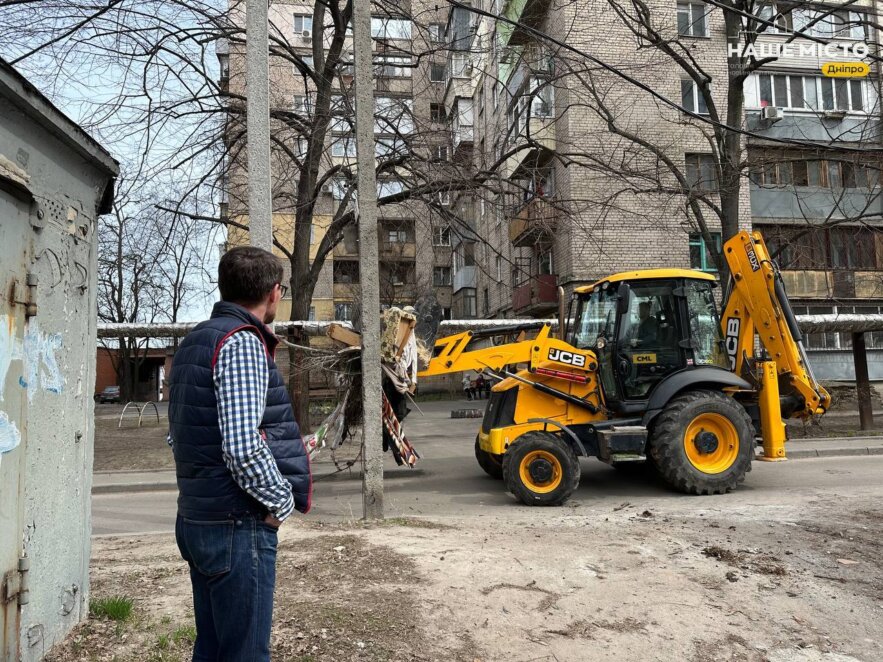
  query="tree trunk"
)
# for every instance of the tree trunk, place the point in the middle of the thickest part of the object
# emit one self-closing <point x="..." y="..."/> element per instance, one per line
<point x="298" y="375"/>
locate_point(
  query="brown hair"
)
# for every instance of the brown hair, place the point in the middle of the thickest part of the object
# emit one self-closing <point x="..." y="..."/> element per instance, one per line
<point x="247" y="274"/>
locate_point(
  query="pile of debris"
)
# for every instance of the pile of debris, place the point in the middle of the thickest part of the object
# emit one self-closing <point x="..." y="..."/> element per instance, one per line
<point x="401" y="352"/>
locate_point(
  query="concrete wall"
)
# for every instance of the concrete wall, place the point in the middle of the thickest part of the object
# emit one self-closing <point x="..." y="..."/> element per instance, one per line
<point x="48" y="362"/>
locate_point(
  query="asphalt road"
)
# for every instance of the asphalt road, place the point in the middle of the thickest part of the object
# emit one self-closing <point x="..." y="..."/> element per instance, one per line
<point x="448" y="483"/>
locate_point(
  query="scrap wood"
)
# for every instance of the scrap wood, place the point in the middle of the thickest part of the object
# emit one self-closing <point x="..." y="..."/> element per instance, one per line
<point x="344" y="335"/>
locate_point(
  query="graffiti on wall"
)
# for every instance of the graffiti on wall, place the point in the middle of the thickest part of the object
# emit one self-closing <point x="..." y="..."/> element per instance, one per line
<point x="37" y="355"/>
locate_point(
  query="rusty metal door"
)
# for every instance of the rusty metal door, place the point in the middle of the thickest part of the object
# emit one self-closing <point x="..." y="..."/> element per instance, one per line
<point x="15" y="259"/>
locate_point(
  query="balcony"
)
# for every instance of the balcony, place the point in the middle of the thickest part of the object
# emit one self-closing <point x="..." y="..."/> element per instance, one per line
<point x="534" y="222"/>
<point x="528" y="12"/>
<point x="537" y="296"/>
<point x="541" y="132"/>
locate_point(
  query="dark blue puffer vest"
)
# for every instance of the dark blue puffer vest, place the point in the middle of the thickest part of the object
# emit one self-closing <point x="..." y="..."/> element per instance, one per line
<point x="206" y="487"/>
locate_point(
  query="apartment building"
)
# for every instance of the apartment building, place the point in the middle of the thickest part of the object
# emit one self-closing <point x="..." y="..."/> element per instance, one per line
<point x="415" y="249"/>
<point x="580" y="151"/>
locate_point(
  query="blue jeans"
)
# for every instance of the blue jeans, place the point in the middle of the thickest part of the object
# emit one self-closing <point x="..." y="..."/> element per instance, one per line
<point x="233" y="572"/>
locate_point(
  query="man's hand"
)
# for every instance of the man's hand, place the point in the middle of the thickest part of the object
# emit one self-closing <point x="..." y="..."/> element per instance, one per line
<point x="272" y="521"/>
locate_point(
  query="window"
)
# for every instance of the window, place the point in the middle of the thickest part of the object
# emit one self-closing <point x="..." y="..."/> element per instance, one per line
<point x="827" y="24"/>
<point x="224" y="62"/>
<point x="444" y="198"/>
<point x="692" y="19"/>
<point x="344" y="146"/>
<point x="853" y="248"/>
<point x="396" y="236"/>
<point x="701" y="172"/>
<point x="700" y="257"/>
<point x="440" y="153"/>
<point x="437" y="73"/>
<point x="398" y="273"/>
<point x="303" y="24"/>
<point x="817" y="93"/>
<point x="437" y="112"/>
<point x="691" y="98"/>
<point x="390" y="28"/>
<point x="544" y="262"/>
<point x="343" y="312"/>
<point x="393" y="115"/>
<point x="345" y="272"/>
<point x="779" y="173"/>
<point x="796" y="247"/>
<point x="464" y="255"/>
<point x="389" y="147"/>
<point x="542" y="98"/>
<point x="311" y="316"/>
<point x="446" y="313"/>
<point x="436" y="32"/>
<point x="786" y="170"/>
<point x="441" y="235"/>
<point x="468" y="307"/>
<point x="441" y="276"/>
<point x="303" y="104"/>
<point x="499" y="268"/>
<point x="487" y="303"/>
<point x="770" y="13"/>
<point x="392" y="67"/>
<point x="521" y="271"/>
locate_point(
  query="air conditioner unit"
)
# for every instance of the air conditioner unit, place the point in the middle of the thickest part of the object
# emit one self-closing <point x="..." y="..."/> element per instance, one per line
<point x="306" y="34"/>
<point x="327" y="188"/>
<point x="772" y="113"/>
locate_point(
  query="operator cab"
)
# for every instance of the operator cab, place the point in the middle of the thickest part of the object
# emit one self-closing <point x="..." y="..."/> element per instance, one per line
<point x="644" y="326"/>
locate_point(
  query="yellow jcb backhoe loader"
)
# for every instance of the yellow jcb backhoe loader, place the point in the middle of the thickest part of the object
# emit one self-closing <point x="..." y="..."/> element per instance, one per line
<point x="645" y="369"/>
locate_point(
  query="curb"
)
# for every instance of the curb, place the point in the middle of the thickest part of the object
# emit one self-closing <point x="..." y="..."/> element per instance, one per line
<point x="342" y="476"/>
<point x="119" y="488"/>
<point x="802" y="453"/>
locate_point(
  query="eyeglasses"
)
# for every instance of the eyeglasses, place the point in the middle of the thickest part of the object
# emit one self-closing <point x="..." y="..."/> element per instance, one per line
<point x="283" y="289"/>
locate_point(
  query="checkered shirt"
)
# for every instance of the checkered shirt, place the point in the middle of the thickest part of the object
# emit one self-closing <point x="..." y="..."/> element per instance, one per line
<point x="241" y="380"/>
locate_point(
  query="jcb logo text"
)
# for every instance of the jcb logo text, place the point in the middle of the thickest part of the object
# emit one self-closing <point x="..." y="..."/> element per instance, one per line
<point x="567" y="357"/>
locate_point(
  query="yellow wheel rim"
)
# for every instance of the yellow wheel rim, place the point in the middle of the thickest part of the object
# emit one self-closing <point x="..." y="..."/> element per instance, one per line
<point x="543" y="460"/>
<point x="711" y="443"/>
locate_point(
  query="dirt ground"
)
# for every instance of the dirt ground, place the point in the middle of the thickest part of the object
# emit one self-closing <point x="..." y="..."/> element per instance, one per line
<point x="793" y="583"/>
<point x="131" y="447"/>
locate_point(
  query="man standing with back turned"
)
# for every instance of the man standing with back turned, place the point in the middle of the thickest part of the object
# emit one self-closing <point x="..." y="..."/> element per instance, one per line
<point x="240" y="461"/>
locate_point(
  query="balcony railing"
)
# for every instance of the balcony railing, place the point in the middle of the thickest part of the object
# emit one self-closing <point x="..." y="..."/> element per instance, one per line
<point x="536" y="296"/>
<point x="535" y="221"/>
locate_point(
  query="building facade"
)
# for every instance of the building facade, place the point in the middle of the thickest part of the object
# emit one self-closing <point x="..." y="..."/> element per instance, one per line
<point x="596" y="175"/>
<point x="409" y="130"/>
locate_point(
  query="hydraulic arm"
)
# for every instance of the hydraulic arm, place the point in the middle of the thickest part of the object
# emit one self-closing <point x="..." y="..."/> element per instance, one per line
<point x="758" y="304"/>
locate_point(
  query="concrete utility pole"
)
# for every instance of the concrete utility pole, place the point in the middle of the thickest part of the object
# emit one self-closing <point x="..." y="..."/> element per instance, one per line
<point x="257" y="75"/>
<point x="372" y="452"/>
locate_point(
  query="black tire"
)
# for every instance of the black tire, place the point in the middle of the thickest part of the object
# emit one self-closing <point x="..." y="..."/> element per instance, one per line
<point x="668" y="445"/>
<point x="551" y="446"/>
<point x="491" y="464"/>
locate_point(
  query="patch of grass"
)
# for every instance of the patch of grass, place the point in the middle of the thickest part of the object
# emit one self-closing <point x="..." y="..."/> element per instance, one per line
<point x="162" y="642"/>
<point x="185" y="633"/>
<point x="115" y="608"/>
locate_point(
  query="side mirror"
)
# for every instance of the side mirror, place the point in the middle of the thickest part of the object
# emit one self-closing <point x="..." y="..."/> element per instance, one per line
<point x="624" y="295"/>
